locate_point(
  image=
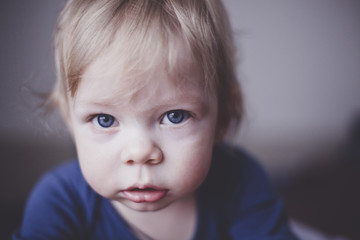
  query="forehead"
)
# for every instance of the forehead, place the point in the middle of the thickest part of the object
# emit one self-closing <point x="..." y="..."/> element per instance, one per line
<point x="121" y="65"/>
<point x="118" y="73"/>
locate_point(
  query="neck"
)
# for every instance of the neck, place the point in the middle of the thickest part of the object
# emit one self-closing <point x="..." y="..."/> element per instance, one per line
<point x="176" y="221"/>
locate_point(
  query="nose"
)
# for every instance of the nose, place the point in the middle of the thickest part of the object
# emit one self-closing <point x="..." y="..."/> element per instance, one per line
<point x="141" y="150"/>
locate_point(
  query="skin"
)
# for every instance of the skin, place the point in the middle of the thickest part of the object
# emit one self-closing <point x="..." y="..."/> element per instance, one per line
<point x="146" y="164"/>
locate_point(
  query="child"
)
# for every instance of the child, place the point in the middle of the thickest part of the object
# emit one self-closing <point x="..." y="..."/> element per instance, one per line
<point x="148" y="91"/>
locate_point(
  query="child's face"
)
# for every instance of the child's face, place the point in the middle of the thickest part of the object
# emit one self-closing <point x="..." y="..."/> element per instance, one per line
<point x="147" y="147"/>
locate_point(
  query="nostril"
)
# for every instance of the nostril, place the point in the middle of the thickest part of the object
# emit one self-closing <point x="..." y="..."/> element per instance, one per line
<point x="151" y="161"/>
<point x="130" y="162"/>
<point x="154" y="161"/>
<point x="151" y="155"/>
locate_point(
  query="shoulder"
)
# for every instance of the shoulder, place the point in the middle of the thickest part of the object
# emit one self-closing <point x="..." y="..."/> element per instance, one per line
<point x="65" y="175"/>
<point x="59" y="206"/>
<point x="243" y="196"/>
<point x="63" y="184"/>
<point x="234" y="169"/>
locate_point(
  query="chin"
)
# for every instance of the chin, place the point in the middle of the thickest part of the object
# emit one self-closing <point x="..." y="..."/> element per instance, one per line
<point x="146" y="206"/>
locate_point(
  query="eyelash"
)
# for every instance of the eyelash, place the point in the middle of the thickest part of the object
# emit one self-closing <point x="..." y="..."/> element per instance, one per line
<point x="96" y="118"/>
<point x="178" y="116"/>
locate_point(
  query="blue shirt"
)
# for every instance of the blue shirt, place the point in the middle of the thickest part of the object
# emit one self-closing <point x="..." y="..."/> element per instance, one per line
<point x="235" y="201"/>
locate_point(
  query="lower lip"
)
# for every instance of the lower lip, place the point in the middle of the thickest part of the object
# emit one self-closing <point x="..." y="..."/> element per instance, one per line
<point x="140" y="196"/>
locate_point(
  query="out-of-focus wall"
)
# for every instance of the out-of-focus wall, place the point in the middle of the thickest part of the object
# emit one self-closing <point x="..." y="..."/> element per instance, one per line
<point x="25" y="61"/>
<point x="300" y="71"/>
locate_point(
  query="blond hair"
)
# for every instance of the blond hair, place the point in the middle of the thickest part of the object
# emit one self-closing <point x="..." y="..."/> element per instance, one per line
<point x="86" y="28"/>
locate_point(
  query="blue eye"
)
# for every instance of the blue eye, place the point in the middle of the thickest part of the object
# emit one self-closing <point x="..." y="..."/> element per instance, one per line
<point x="105" y="120"/>
<point x="175" y="117"/>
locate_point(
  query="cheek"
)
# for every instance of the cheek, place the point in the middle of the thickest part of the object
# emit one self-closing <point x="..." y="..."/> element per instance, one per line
<point x="95" y="165"/>
<point x="190" y="164"/>
<point x="194" y="170"/>
<point x="192" y="155"/>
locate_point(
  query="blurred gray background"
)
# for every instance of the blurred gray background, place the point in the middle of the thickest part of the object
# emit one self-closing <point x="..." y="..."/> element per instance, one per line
<point x="299" y="65"/>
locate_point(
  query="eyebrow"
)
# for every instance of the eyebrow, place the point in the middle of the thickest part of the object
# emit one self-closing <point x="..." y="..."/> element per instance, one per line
<point x="165" y="103"/>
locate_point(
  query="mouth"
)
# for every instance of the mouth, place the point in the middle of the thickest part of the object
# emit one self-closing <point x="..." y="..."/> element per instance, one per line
<point x="148" y="194"/>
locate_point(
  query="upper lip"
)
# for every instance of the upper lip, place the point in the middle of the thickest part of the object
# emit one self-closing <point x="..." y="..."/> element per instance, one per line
<point x="143" y="187"/>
